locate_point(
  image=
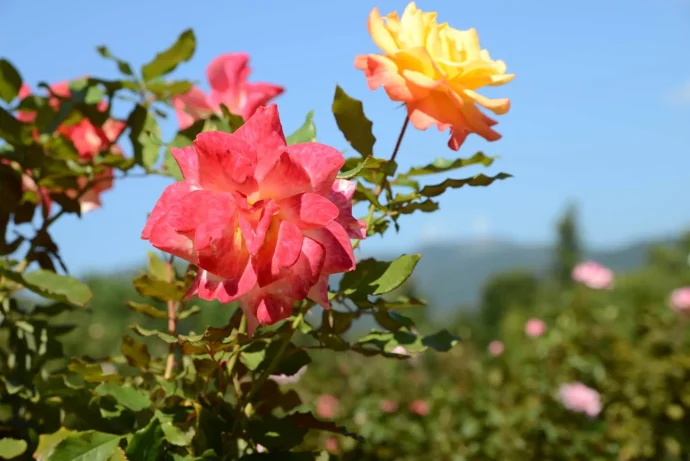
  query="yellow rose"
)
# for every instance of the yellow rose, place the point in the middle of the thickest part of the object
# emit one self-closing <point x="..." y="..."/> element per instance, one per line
<point x="436" y="71"/>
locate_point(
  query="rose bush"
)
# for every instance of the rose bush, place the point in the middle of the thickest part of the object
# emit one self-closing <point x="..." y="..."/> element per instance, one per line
<point x="255" y="218"/>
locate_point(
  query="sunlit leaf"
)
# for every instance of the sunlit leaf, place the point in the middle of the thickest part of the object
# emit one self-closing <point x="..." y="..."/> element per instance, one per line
<point x="85" y="446"/>
<point x="305" y="133"/>
<point x="10" y="448"/>
<point x="10" y="81"/>
<point x="355" y="126"/>
<point x="372" y="277"/>
<point x="166" y="61"/>
<point x="51" y="285"/>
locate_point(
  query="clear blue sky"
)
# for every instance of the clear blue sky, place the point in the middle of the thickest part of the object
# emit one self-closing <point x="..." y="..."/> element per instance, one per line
<point x="600" y="106"/>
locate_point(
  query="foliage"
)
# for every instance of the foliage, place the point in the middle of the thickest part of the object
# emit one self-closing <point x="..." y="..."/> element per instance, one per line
<point x="177" y="388"/>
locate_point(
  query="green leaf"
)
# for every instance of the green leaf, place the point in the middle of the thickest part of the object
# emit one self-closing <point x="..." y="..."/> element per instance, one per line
<point x="355" y="126"/>
<point x="158" y="289"/>
<point x="86" y="446"/>
<point x="480" y="180"/>
<point x="122" y="66"/>
<point x="91" y="372"/>
<point x="165" y="62"/>
<point x="136" y="353"/>
<point x="51" y="285"/>
<point x="159" y="268"/>
<point x="356" y="170"/>
<point x="10" y="81"/>
<point x="143" y="128"/>
<point x="441" y="165"/>
<point x="127" y="396"/>
<point x="46" y="443"/>
<point x="372" y="277"/>
<point x="165" y="90"/>
<point x="10" y="448"/>
<point x="147" y="310"/>
<point x="11" y="129"/>
<point x="305" y="133"/>
<point x="170" y="166"/>
<point x="148" y="333"/>
<point x="147" y="444"/>
<point x="442" y="341"/>
<point x="189" y="312"/>
<point x="253" y="355"/>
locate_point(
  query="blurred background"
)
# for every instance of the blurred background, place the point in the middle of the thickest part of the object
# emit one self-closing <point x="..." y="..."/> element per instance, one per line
<point x="597" y="141"/>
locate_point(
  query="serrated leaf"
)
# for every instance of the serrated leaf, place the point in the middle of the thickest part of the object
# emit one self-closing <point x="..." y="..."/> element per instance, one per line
<point x="143" y="128"/>
<point x="147" y="444"/>
<point x="147" y="310"/>
<point x="158" y="289"/>
<point x="148" y="333"/>
<point x="480" y="180"/>
<point x="372" y="277"/>
<point x="10" y="448"/>
<point x="441" y="165"/>
<point x="122" y="66"/>
<point x="50" y="285"/>
<point x="46" y="443"/>
<point x="136" y="353"/>
<point x="159" y="268"/>
<point x="85" y="446"/>
<point x="127" y="396"/>
<point x="305" y="133"/>
<point x="166" y="61"/>
<point x="356" y="170"/>
<point x="355" y="126"/>
<point x="442" y="341"/>
<point x="10" y="81"/>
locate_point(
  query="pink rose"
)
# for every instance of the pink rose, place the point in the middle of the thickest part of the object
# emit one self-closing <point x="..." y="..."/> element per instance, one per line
<point x="496" y="348"/>
<point x="332" y="445"/>
<point x="535" y="327"/>
<point x="579" y="398"/>
<point x="258" y="218"/>
<point x="388" y="406"/>
<point x="88" y="139"/>
<point x="327" y="406"/>
<point x="419" y="407"/>
<point x="680" y="300"/>
<point x="593" y="275"/>
<point x="227" y="75"/>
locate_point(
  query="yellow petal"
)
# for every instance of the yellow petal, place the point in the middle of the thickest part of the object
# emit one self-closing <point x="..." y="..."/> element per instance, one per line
<point x="497" y="106"/>
<point x="380" y="34"/>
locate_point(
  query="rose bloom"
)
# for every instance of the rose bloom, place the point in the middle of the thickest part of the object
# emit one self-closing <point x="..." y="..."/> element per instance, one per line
<point x="227" y="75"/>
<point x="496" y="348"/>
<point x="89" y="140"/>
<point x="419" y="407"/>
<point x="389" y="406"/>
<point x="581" y="399"/>
<point x="265" y="223"/>
<point x="593" y="275"/>
<point x="332" y="445"/>
<point x="436" y="71"/>
<point x="327" y="406"/>
<point x="287" y="379"/>
<point x="535" y="327"/>
<point x="680" y="300"/>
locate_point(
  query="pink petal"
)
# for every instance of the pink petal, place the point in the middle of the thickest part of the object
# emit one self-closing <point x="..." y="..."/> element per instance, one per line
<point x="339" y="255"/>
<point x="227" y="74"/>
<point x="258" y="95"/>
<point x="286" y="178"/>
<point x="264" y="133"/>
<point x="171" y="195"/>
<point x="319" y="292"/>
<point x="209" y="287"/>
<point x="192" y="106"/>
<point x="281" y="250"/>
<point x="187" y="159"/>
<point x="308" y="210"/>
<point x="225" y="161"/>
<point x="321" y="163"/>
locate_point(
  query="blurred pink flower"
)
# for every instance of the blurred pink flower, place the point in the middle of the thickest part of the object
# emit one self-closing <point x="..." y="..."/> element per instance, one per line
<point x="289" y="379"/>
<point x="227" y="75"/>
<point x="419" y="407"/>
<point x="535" y="327"/>
<point x="327" y="406"/>
<point x="581" y="399"/>
<point x="400" y="350"/>
<point x="260" y="448"/>
<point x="496" y="348"/>
<point x="389" y="406"/>
<point x="332" y="445"/>
<point x="593" y="275"/>
<point x="680" y="300"/>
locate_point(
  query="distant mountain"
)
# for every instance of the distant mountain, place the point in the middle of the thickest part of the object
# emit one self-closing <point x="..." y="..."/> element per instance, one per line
<point x="450" y="275"/>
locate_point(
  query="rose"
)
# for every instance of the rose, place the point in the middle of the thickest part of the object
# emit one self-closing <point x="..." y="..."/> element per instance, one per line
<point x="419" y="407"/>
<point x="89" y="140"/>
<point x="327" y="406"/>
<point x="435" y="70"/>
<point x="496" y="348"/>
<point x="580" y="398"/>
<point x="266" y="223"/>
<point x="680" y="300"/>
<point x="593" y="275"/>
<point x="535" y="327"/>
<point x="227" y="75"/>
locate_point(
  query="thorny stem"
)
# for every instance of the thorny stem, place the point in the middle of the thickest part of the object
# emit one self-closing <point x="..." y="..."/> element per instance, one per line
<point x="384" y="179"/>
<point x="172" y="324"/>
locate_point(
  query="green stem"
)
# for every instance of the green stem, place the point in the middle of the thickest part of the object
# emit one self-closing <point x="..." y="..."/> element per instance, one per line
<point x="235" y="356"/>
<point x="384" y="180"/>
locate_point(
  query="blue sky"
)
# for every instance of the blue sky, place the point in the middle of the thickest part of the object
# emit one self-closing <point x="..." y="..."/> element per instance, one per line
<point x="600" y="105"/>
